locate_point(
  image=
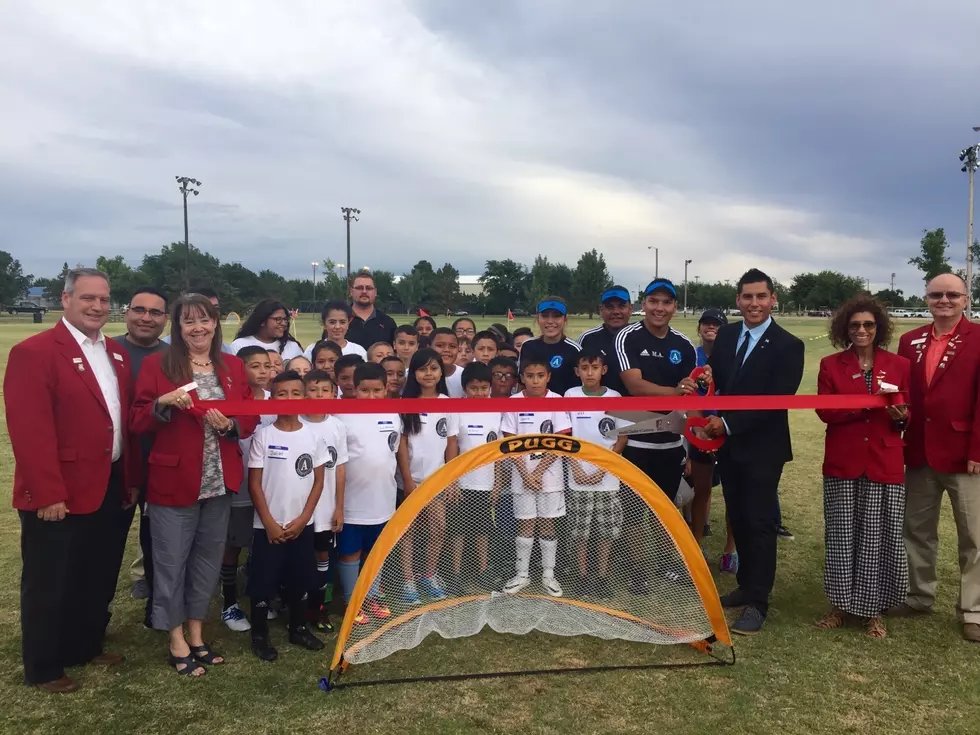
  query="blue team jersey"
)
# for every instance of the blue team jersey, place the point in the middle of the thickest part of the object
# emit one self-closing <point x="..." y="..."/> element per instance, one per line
<point x="702" y="359"/>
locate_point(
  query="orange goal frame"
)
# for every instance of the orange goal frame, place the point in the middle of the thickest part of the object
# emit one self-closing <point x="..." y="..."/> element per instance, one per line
<point x="673" y="522"/>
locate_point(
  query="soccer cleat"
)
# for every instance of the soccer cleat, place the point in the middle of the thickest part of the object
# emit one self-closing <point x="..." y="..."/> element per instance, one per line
<point x="234" y="618"/>
<point x="376" y="610"/>
<point x="262" y="648"/>
<point x="515" y="585"/>
<point x="433" y="588"/>
<point x="302" y="636"/>
<point x="361" y="618"/>
<point x="410" y="595"/>
<point x="783" y="532"/>
<point x="551" y="585"/>
<point x="729" y="563"/>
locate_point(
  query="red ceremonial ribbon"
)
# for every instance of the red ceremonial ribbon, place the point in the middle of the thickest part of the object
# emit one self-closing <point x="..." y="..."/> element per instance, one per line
<point x="657" y="404"/>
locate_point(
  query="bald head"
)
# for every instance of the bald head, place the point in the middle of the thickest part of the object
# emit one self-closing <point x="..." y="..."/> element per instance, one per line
<point x="946" y="297"/>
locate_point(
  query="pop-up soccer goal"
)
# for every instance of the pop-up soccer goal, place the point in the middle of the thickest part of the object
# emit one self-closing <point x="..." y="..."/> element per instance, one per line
<point x="647" y="580"/>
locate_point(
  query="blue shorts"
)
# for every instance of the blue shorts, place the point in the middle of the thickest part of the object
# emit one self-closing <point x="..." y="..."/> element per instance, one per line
<point x="355" y="537"/>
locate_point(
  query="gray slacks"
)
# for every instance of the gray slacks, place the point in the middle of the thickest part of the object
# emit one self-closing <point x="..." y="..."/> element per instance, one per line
<point x="188" y="544"/>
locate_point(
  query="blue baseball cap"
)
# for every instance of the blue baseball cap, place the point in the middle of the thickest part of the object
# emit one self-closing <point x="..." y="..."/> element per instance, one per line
<point x="658" y="284"/>
<point x="616" y="292"/>
<point x="549" y="305"/>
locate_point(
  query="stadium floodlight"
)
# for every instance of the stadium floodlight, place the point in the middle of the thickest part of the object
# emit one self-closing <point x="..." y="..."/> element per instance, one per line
<point x="186" y="186"/>
<point x="349" y="213"/>
<point x="970" y="158"/>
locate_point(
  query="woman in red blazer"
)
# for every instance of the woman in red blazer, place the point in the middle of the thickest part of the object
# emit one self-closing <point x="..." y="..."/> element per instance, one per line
<point x="865" y="568"/>
<point x="194" y="464"/>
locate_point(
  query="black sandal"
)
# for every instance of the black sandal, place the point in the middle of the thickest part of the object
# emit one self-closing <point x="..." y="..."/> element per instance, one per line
<point x="190" y="665"/>
<point x="205" y="655"/>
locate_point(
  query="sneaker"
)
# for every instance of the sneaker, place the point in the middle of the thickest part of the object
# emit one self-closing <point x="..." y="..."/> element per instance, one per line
<point x="361" y="618"/>
<point x="234" y="618"/>
<point x="432" y="586"/>
<point x="515" y="585"/>
<point x="141" y="590"/>
<point x="749" y="622"/>
<point x="410" y="595"/>
<point x="302" y="636"/>
<point x="783" y="532"/>
<point x="601" y="588"/>
<point x="639" y="587"/>
<point x="729" y="563"/>
<point x="271" y="613"/>
<point x="551" y="585"/>
<point x="376" y="610"/>
<point x="262" y="648"/>
<point x="321" y="620"/>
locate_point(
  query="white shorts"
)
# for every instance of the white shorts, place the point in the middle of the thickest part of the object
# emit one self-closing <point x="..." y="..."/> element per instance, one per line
<point x="539" y="505"/>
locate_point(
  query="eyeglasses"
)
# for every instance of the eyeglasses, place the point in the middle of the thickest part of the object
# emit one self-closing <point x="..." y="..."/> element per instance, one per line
<point x="868" y="326"/>
<point x="465" y="330"/>
<point x="279" y="319"/>
<point x="363" y="288"/>
<point x="950" y="295"/>
<point x="143" y="311"/>
<point x="503" y="376"/>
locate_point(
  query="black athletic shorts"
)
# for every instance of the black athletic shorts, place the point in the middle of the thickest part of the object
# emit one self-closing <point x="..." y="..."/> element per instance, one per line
<point x="664" y="466"/>
<point x="324" y="541"/>
<point x="291" y="564"/>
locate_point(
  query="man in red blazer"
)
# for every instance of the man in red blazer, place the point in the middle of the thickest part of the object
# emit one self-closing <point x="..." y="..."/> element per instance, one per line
<point x="67" y="392"/>
<point x="942" y="451"/>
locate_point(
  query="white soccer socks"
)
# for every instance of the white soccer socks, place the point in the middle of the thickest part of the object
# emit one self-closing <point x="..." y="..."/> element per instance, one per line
<point x="524" y="546"/>
<point x="549" y="549"/>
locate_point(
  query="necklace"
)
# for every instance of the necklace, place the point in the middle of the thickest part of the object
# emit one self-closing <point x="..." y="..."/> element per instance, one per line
<point x="200" y="364"/>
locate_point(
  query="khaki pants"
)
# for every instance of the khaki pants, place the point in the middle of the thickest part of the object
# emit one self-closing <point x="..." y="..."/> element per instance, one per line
<point x="923" y="500"/>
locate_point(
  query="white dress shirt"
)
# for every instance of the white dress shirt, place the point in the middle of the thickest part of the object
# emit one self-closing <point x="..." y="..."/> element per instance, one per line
<point x="98" y="360"/>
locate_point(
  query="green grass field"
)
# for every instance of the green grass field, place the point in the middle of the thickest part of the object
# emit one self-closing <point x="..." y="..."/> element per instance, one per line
<point x="791" y="679"/>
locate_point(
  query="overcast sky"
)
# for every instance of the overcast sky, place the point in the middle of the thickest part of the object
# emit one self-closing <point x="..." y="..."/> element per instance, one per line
<point x="789" y="136"/>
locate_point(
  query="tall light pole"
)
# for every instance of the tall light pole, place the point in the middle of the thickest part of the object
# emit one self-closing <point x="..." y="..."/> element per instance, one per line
<point x="314" y="264"/>
<point x="970" y="158"/>
<point x="187" y="185"/>
<point x="349" y="214"/>
<point x="686" y="263"/>
<point x="892" y="289"/>
<point x="656" y="261"/>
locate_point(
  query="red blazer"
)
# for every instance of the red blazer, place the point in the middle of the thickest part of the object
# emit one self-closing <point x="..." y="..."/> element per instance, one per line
<point x="862" y="442"/>
<point x="176" y="462"/>
<point x="59" y="424"/>
<point x="944" y="431"/>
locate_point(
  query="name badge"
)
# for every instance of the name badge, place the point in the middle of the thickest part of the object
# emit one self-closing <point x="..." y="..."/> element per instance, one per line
<point x="919" y="341"/>
<point x="77" y="360"/>
<point x="276" y="452"/>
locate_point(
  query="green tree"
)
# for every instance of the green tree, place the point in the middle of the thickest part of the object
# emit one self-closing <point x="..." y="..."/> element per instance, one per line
<point x="503" y="284"/>
<point x="426" y="276"/>
<point x="975" y="257"/>
<point x="891" y="298"/>
<point x="443" y="292"/>
<point x="824" y="289"/>
<point x="53" y="287"/>
<point x="13" y="282"/>
<point x="560" y="283"/>
<point x="332" y="286"/>
<point x="539" y="283"/>
<point x="165" y="270"/>
<point x="387" y="289"/>
<point x="590" y="279"/>
<point x="123" y="280"/>
<point x="411" y="288"/>
<point x="932" y="259"/>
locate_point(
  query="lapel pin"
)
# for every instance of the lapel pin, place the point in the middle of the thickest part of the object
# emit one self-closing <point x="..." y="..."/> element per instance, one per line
<point x="81" y="368"/>
<point x="117" y="356"/>
<point x="77" y="360"/>
<point x="856" y="376"/>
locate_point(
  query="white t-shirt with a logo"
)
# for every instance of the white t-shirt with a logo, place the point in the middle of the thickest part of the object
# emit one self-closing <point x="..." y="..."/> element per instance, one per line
<point x="475" y="430"/>
<point x="242" y="499"/>
<point x="291" y="350"/>
<point x="536" y="422"/>
<point x="427" y="449"/>
<point x="454" y="384"/>
<point x="287" y="460"/>
<point x="372" y="443"/>
<point x="334" y="436"/>
<point x="590" y="425"/>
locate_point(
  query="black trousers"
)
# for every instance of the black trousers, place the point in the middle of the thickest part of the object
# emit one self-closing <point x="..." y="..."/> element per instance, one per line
<point x="146" y="546"/>
<point x="70" y="569"/>
<point x="752" y="503"/>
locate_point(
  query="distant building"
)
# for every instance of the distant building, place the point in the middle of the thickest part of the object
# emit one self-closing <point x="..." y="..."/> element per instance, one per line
<point x="36" y="294"/>
<point x="470" y="285"/>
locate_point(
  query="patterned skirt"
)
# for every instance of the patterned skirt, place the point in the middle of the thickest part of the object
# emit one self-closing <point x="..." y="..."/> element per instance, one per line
<point x="866" y="569"/>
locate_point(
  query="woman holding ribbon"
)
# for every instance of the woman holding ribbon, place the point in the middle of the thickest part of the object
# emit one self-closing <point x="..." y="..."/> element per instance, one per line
<point x="865" y="568"/>
<point x="194" y="463"/>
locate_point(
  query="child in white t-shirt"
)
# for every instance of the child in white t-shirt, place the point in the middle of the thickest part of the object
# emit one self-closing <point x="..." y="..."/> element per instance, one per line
<point x="428" y="442"/>
<point x="328" y="518"/>
<point x="285" y="478"/>
<point x="444" y="341"/>
<point x="258" y="368"/>
<point x="370" y="491"/>
<point x="471" y="517"/>
<point x="594" y="496"/>
<point x="538" y="485"/>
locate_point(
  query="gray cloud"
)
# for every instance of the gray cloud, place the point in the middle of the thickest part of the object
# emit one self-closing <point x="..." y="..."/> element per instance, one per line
<point x="734" y="134"/>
